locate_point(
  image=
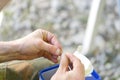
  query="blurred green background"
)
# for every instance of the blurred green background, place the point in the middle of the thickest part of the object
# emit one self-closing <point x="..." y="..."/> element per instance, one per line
<point x="67" y="19"/>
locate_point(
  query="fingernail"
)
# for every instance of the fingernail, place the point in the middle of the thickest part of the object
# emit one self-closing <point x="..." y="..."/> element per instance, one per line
<point x="58" y="52"/>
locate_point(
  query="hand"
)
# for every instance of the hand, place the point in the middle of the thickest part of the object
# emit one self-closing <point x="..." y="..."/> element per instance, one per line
<point x="63" y="73"/>
<point x="40" y="43"/>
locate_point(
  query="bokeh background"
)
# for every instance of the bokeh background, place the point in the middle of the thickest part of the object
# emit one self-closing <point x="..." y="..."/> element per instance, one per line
<point x="67" y="19"/>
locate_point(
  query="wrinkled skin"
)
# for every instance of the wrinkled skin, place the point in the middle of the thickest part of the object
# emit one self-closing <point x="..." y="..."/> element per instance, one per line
<point x="40" y="43"/>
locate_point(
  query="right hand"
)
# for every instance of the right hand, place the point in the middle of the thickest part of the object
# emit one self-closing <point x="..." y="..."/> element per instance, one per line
<point x="40" y="43"/>
<point x="77" y="73"/>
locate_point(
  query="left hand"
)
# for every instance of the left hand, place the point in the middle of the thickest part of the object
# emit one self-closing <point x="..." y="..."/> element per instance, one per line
<point x="40" y="43"/>
<point x="63" y="73"/>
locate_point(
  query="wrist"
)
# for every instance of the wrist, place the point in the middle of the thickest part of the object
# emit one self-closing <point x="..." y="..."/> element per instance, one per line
<point x="15" y="46"/>
<point x="9" y="50"/>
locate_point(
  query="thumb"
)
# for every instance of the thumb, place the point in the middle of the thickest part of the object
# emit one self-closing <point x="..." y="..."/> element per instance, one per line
<point x="51" y="48"/>
<point x="64" y="63"/>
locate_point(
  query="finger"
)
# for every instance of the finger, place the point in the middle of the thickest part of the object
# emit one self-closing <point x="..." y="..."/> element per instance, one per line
<point x="51" y="38"/>
<point x="44" y="54"/>
<point x="76" y="63"/>
<point x="64" y="63"/>
<point x="54" y="58"/>
<point x="47" y="55"/>
<point x="55" y="41"/>
<point x="51" y="48"/>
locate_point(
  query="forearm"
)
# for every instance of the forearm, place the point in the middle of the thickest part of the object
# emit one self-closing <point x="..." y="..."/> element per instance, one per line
<point x="3" y="3"/>
<point x="9" y="51"/>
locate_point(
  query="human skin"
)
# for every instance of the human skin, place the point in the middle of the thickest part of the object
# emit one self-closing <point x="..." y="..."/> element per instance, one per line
<point x="39" y="43"/>
<point x="3" y="3"/>
<point x="63" y="73"/>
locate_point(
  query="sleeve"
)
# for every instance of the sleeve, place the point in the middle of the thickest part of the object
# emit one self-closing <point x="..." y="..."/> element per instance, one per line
<point x="23" y="70"/>
<point x="2" y="71"/>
